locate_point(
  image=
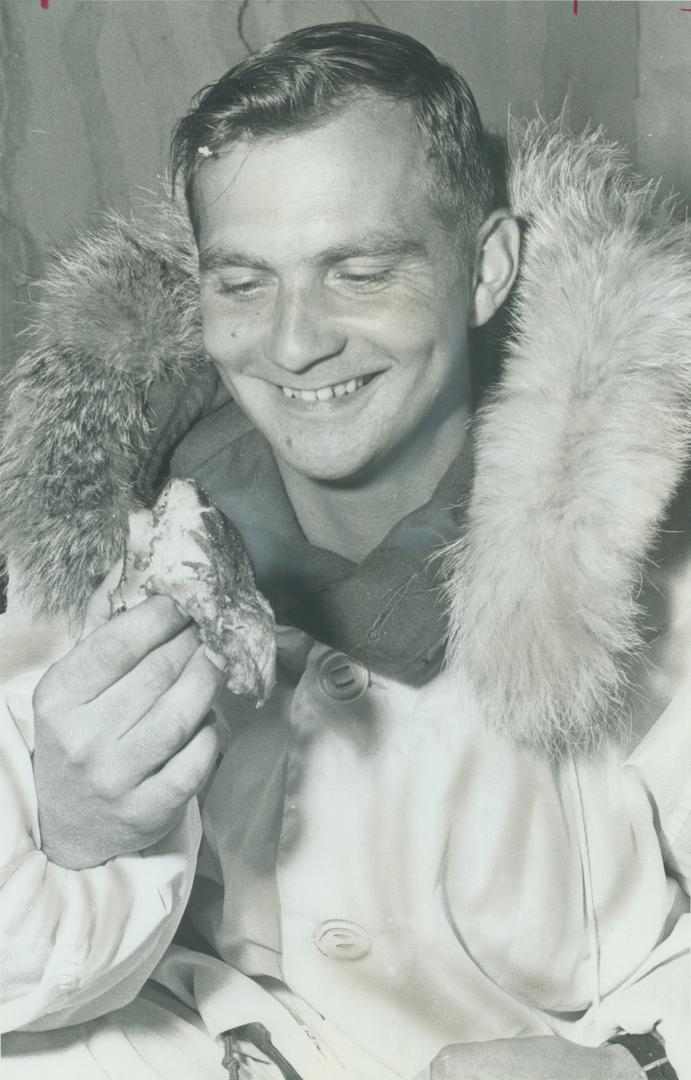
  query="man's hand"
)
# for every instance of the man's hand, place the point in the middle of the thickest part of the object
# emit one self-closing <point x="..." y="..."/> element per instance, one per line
<point x="120" y="740"/>
<point x="536" y="1058"/>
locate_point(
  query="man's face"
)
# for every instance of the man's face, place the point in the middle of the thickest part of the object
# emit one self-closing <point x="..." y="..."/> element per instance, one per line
<point x="334" y="302"/>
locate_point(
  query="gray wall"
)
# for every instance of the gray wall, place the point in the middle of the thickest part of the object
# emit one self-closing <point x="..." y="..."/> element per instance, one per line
<point x="90" y="88"/>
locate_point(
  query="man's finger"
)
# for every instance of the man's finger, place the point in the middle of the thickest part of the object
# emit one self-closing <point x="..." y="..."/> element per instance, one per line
<point x="182" y="777"/>
<point x="130" y="699"/>
<point x="174" y="718"/>
<point x="97" y="610"/>
<point x="113" y="650"/>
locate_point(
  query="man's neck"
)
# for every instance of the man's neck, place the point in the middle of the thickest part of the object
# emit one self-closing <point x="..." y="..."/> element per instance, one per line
<point x="352" y="519"/>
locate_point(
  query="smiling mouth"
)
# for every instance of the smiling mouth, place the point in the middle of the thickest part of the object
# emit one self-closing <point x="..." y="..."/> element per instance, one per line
<point x="325" y="393"/>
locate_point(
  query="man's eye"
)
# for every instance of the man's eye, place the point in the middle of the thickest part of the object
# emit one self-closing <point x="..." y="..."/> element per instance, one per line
<point x="239" y="288"/>
<point x="365" y="280"/>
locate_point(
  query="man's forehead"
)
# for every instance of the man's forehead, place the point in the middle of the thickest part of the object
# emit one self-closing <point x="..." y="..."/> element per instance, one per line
<point x="349" y="179"/>
<point x="371" y="128"/>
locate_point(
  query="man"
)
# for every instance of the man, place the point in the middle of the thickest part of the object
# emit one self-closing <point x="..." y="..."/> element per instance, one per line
<point x="409" y="867"/>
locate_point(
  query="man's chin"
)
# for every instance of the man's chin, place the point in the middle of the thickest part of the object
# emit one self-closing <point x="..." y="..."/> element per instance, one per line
<point x="320" y="468"/>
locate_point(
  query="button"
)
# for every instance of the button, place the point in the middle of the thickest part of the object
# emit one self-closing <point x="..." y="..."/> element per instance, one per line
<point x="341" y="678"/>
<point x="341" y="939"/>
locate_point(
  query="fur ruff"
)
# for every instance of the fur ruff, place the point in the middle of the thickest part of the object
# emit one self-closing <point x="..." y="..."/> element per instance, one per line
<point x="578" y="452"/>
<point x="118" y="341"/>
<point x="581" y="448"/>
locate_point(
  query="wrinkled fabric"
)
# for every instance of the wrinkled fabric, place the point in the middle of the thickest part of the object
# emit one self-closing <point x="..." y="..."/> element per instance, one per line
<point x="459" y="858"/>
<point x="454" y="862"/>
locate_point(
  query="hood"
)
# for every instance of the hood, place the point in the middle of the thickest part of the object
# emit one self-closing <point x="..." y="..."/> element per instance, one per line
<point x="578" y="450"/>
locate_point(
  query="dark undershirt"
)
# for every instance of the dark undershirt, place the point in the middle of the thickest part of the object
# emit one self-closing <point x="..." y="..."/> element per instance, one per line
<point x="387" y="611"/>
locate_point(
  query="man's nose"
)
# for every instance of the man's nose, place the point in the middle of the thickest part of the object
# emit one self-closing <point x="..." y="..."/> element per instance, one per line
<point x="303" y="330"/>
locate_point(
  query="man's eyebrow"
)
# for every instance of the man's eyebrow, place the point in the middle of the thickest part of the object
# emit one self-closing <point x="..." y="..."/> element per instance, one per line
<point x="388" y="245"/>
<point x="216" y="258"/>
<point x="384" y="244"/>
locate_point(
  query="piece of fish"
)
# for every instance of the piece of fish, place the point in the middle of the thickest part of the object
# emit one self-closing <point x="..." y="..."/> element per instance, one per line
<point x="186" y="549"/>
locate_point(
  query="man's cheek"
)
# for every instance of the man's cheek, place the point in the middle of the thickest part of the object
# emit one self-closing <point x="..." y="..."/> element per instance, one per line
<point x="408" y="340"/>
<point x="400" y="328"/>
<point x="227" y="341"/>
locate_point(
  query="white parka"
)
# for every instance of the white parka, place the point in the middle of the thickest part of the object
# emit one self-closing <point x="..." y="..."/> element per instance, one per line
<point x="394" y="873"/>
<point x="416" y="882"/>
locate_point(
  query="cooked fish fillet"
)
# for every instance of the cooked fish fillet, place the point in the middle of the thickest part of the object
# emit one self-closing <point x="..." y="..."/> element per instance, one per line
<point x="184" y="548"/>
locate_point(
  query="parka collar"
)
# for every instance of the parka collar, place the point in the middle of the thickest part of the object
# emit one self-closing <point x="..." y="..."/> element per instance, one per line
<point x="388" y="611"/>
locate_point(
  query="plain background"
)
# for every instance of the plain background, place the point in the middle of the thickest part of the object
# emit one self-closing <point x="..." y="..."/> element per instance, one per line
<point x="90" y="89"/>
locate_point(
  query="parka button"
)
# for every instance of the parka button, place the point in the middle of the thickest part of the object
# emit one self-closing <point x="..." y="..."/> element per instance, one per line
<point x="341" y="939"/>
<point x="341" y="677"/>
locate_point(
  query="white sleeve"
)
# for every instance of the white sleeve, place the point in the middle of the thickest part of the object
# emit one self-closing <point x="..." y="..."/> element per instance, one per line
<point x="75" y="944"/>
<point x="663" y="762"/>
<point x="659" y="995"/>
<point x="656" y="999"/>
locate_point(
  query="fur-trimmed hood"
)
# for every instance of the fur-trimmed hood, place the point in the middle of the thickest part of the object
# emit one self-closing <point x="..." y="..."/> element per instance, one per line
<point x="578" y="452"/>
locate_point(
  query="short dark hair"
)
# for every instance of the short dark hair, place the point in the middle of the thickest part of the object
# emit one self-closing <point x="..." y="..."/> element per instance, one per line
<point x="297" y="82"/>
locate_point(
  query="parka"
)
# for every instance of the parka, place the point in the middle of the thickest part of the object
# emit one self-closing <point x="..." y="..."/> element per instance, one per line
<point x="390" y="856"/>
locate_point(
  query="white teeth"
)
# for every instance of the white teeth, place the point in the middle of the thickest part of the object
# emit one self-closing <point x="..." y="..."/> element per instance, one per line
<point x="325" y="392"/>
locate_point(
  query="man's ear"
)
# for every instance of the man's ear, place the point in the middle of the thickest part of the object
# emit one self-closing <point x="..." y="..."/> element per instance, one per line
<point x="496" y="265"/>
